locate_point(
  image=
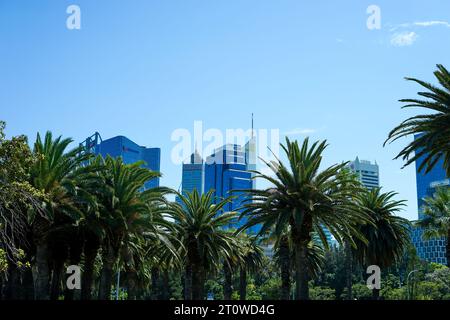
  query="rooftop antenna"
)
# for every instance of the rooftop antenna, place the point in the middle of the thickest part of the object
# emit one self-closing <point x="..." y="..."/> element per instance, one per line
<point x="253" y="132"/>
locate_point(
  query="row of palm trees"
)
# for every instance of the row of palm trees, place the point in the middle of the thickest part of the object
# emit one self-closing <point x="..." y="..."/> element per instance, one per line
<point x="78" y="209"/>
<point x="93" y="212"/>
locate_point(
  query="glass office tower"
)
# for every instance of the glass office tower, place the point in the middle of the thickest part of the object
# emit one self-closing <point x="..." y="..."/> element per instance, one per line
<point x="431" y="250"/>
<point x="193" y="174"/>
<point x="130" y="152"/>
<point x="227" y="170"/>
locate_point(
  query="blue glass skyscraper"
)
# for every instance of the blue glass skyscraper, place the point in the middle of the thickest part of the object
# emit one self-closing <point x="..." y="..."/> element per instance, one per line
<point x="432" y="250"/>
<point x="193" y="174"/>
<point x="130" y="152"/>
<point x="226" y="170"/>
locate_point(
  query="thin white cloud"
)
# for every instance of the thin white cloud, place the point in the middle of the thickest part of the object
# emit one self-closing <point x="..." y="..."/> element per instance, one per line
<point x="423" y="24"/>
<point x="403" y="39"/>
<point x="299" y="131"/>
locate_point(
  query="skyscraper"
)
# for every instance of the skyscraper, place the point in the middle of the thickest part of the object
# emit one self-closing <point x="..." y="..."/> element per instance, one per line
<point x="225" y="171"/>
<point x="432" y="250"/>
<point x="130" y="152"/>
<point x="367" y="172"/>
<point x="193" y="174"/>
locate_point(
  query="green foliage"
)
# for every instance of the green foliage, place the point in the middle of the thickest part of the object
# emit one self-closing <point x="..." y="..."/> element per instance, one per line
<point x="3" y="261"/>
<point x="432" y="129"/>
<point x="322" y="293"/>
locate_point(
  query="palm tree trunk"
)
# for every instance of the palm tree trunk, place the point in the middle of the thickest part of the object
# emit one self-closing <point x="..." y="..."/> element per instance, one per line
<point x="41" y="274"/>
<point x="243" y="284"/>
<point x="155" y="280"/>
<point x="198" y="279"/>
<point x="376" y="294"/>
<point x="109" y="259"/>
<point x="188" y="283"/>
<point x="131" y="284"/>
<point x="285" y="263"/>
<point x="75" y="252"/>
<point x="227" y="287"/>
<point x="301" y="272"/>
<point x="348" y="270"/>
<point x="55" y="289"/>
<point x="90" y="253"/>
<point x="165" y="291"/>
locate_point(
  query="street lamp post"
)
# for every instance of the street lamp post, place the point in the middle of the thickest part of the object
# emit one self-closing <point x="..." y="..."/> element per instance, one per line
<point x="407" y="282"/>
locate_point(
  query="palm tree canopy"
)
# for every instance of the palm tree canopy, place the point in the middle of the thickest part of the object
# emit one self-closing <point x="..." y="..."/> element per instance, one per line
<point x="388" y="236"/>
<point x="304" y="196"/>
<point x="432" y="131"/>
<point x="202" y="225"/>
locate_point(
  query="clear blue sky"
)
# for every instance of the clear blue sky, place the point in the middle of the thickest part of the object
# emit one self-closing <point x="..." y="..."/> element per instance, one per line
<point x="144" y="68"/>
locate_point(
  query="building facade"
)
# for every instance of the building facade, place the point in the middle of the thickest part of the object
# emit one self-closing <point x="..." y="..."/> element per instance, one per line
<point x="226" y="171"/>
<point x="433" y="250"/>
<point x="368" y="173"/>
<point x="130" y="152"/>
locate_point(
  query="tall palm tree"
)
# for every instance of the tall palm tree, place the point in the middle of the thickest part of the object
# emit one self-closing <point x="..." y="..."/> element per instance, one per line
<point x="124" y="205"/>
<point x="304" y="199"/>
<point x="387" y="234"/>
<point x="432" y="130"/>
<point x="55" y="173"/>
<point x="201" y="226"/>
<point x="251" y="260"/>
<point x="436" y="221"/>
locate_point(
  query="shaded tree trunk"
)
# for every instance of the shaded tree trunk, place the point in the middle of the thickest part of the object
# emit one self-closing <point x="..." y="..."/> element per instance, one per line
<point x="188" y="282"/>
<point x="165" y="291"/>
<point x="155" y="281"/>
<point x="75" y="252"/>
<point x="243" y="284"/>
<point x="41" y="273"/>
<point x="227" y="287"/>
<point x="197" y="281"/>
<point x="284" y="254"/>
<point x="376" y="294"/>
<point x="301" y="272"/>
<point x="90" y="253"/>
<point x="132" y="285"/>
<point x="58" y="269"/>
<point x="348" y="270"/>
<point x="109" y="259"/>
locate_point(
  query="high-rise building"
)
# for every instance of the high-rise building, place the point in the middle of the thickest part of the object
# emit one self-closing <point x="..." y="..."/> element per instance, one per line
<point x="193" y="174"/>
<point x="226" y="171"/>
<point x="368" y="173"/>
<point x="130" y="152"/>
<point x="432" y="250"/>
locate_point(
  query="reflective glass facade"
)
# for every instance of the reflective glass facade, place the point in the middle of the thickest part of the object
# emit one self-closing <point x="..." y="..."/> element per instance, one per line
<point x="431" y="250"/>
<point x="130" y="152"/>
<point x="225" y="171"/>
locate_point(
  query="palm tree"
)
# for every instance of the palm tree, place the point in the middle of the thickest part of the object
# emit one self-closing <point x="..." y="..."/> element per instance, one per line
<point x="432" y="130"/>
<point x="387" y="234"/>
<point x="251" y="259"/>
<point x="436" y="222"/>
<point x="55" y="173"/>
<point x="304" y="199"/>
<point x="201" y="229"/>
<point x="124" y="205"/>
